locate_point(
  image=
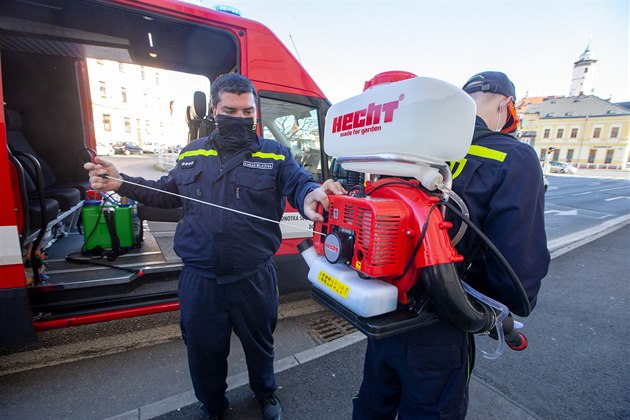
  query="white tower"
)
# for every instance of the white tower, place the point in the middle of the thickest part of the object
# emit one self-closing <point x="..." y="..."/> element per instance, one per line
<point x="583" y="74"/>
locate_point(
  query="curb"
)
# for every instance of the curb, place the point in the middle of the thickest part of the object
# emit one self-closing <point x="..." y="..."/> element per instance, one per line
<point x="187" y="398"/>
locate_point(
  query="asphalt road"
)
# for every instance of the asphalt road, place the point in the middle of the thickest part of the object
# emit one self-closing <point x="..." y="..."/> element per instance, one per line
<point x="574" y="203"/>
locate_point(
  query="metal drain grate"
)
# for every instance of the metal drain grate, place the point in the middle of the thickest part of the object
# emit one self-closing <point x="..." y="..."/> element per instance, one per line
<point x="328" y="327"/>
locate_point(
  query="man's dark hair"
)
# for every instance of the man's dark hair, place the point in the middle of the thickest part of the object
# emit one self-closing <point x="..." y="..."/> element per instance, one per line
<point x="232" y="83"/>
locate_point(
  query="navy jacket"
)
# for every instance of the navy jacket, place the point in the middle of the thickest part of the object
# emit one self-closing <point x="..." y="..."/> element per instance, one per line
<point x="218" y="243"/>
<point x="501" y="182"/>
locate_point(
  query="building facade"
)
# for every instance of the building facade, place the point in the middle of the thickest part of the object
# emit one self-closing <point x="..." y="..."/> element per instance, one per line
<point x="585" y="131"/>
<point x="128" y="102"/>
<point x="581" y="129"/>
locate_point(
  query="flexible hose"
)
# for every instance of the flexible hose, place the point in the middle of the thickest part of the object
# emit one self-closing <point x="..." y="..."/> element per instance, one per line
<point x="503" y="312"/>
<point x="445" y="291"/>
<point x="515" y="280"/>
<point x="458" y="200"/>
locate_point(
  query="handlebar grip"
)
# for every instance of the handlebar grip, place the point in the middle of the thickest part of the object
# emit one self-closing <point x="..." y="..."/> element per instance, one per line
<point x="513" y="338"/>
<point x="516" y="340"/>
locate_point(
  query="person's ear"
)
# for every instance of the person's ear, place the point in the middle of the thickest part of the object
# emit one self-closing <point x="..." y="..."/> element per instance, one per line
<point x="506" y="102"/>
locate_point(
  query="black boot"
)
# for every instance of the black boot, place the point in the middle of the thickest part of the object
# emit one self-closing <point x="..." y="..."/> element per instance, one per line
<point x="271" y="408"/>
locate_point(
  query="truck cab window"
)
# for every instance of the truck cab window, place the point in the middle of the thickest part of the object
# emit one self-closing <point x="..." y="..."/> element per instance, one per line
<point x="295" y="126"/>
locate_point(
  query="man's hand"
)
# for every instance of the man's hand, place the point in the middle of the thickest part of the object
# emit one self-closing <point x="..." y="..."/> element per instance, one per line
<point x="98" y="168"/>
<point x="320" y="195"/>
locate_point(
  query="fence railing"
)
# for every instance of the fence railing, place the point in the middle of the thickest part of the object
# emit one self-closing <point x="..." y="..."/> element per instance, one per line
<point x="167" y="158"/>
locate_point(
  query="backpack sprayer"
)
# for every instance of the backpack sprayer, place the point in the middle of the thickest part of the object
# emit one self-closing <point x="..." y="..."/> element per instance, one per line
<point x="110" y="227"/>
<point x="383" y="259"/>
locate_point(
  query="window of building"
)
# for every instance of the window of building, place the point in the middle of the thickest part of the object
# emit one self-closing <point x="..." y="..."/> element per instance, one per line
<point x="574" y="133"/>
<point x="570" y="155"/>
<point x="147" y="127"/>
<point x="560" y="133"/>
<point x="614" y="132"/>
<point x="556" y="154"/>
<point x="107" y="122"/>
<point x="127" y="124"/>
<point x="546" y="133"/>
<point x="123" y="92"/>
<point x="103" y="89"/>
<point x="597" y="131"/>
<point x="543" y="153"/>
<point x="585" y="69"/>
<point x="609" y="156"/>
<point x="591" y="155"/>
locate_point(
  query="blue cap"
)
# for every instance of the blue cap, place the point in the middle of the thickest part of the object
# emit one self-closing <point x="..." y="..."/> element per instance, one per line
<point x="492" y="82"/>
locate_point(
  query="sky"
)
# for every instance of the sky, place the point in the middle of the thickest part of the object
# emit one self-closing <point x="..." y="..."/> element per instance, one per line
<point x="344" y="43"/>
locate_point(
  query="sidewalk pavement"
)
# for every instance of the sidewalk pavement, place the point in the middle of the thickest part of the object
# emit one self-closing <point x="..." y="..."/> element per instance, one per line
<point x="576" y="365"/>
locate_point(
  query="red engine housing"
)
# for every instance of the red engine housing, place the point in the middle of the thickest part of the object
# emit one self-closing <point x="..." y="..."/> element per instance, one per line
<point x="382" y="231"/>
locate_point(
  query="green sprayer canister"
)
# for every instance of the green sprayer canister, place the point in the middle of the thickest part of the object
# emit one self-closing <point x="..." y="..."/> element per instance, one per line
<point x="95" y="231"/>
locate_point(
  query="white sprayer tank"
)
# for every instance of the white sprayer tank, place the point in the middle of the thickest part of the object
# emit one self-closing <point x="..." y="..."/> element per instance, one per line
<point x="401" y="128"/>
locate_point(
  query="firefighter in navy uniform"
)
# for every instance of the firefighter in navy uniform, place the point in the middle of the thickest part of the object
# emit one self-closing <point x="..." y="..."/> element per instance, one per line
<point x="424" y="373"/>
<point x="229" y="280"/>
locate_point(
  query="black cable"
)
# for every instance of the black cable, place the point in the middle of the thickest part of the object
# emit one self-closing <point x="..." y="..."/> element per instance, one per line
<point x="389" y="183"/>
<point x="424" y="227"/>
<point x="110" y="222"/>
<point x="423" y="232"/>
<point x="513" y="276"/>
<point x="71" y="259"/>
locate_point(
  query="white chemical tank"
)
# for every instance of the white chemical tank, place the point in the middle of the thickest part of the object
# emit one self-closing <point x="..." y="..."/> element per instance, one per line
<point x="364" y="297"/>
<point x="402" y="127"/>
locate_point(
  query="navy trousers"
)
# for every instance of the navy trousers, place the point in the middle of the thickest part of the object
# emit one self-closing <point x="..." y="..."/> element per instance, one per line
<point x="209" y="312"/>
<point x="421" y="374"/>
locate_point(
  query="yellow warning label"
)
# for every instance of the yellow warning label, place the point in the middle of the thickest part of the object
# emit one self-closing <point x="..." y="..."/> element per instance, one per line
<point x="357" y="265"/>
<point x="333" y="284"/>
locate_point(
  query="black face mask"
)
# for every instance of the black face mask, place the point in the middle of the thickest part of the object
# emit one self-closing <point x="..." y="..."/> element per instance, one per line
<point x="235" y="132"/>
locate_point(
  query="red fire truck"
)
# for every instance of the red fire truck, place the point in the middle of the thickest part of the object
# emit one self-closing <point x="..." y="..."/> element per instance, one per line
<point x="57" y="108"/>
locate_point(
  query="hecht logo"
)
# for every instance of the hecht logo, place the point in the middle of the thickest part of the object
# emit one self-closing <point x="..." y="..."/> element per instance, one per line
<point x="332" y="247"/>
<point x="363" y="120"/>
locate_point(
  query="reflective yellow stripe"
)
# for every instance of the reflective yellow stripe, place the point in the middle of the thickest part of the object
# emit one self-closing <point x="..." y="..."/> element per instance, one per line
<point x="460" y="167"/>
<point x="198" y="152"/>
<point x="268" y="156"/>
<point x="486" y="152"/>
<point x="212" y="152"/>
